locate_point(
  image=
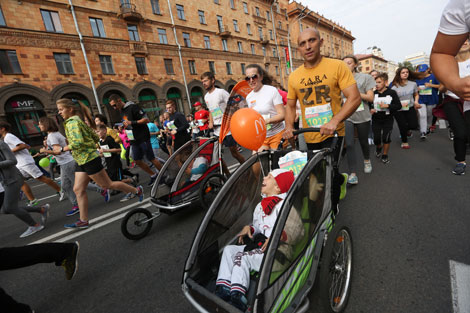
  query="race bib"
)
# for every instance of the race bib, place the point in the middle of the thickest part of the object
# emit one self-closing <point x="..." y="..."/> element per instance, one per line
<point x="266" y="116"/>
<point x="381" y="100"/>
<point x="360" y="107"/>
<point x="106" y="154"/>
<point x="217" y="112"/>
<point x="200" y="123"/>
<point x="130" y="134"/>
<point x="318" y="115"/>
<point x="293" y="161"/>
<point x="423" y="91"/>
<point x="405" y="105"/>
<point x="171" y="125"/>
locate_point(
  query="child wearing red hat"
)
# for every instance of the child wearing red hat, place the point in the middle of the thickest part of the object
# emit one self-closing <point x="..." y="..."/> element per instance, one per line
<point x="237" y="261"/>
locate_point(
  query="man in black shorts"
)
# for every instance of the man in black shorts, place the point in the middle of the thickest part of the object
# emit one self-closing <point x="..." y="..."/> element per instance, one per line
<point x="135" y="122"/>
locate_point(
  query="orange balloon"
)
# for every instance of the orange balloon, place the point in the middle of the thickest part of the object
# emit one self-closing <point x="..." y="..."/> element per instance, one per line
<point x="248" y="128"/>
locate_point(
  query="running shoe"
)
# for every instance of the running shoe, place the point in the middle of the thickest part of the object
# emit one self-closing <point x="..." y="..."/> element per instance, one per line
<point x="45" y="213"/>
<point x="409" y="134"/>
<point x="385" y="159"/>
<point x="70" y="264"/>
<point x="432" y="128"/>
<point x="74" y="211"/>
<point x="223" y="292"/>
<point x="459" y="169"/>
<point x="353" y="180"/>
<point x="135" y="179"/>
<point x="405" y="145"/>
<point x="127" y="197"/>
<point x="423" y="137"/>
<point x="140" y="193"/>
<point x="152" y="180"/>
<point x="238" y="300"/>
<point x="367" y="167"/>
<point x="78" y="224"/>
<point x="371" y="142"/>
<point x="33" y="202"/>
<point x="61" y="195"/>
<point x="32" y="230"/>
<point x="342" y="194"/>
<point x="106" y="195"/>
<point x="378" y="151"/>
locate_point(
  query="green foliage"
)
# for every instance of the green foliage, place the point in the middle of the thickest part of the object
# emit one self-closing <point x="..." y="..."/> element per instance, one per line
<point x="408" y="65"/>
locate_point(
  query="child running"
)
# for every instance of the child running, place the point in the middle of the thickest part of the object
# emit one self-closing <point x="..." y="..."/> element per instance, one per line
<point x="386" y="103"/>
<point x="82" y="142"/>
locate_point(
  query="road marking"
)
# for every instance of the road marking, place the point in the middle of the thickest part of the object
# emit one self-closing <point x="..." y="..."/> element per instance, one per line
<point x="460" y="283"/>
<point x="95" y="220"/>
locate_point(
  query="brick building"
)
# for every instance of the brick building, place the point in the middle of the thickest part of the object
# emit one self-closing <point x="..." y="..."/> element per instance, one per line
<point x="132" y="50"/>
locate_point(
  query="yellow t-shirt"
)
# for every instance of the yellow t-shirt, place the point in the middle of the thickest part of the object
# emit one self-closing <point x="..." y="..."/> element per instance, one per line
<point x="319" y="91"/>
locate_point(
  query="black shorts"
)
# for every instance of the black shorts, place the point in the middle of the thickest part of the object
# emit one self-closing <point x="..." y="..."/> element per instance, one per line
<point x="114" y="174"/>
<point x="91" y="167"/>
<point x="229" y="141"/>
<point x="141" y="150"/>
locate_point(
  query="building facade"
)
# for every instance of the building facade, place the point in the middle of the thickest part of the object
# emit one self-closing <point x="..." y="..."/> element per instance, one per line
<point x="146" y="51"/>
<point x="418" y="58"/>
<point x="369" y="62"/>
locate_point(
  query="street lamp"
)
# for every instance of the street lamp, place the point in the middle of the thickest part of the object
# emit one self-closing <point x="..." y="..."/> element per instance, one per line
<point x="301" y="15"/>
<point x="277" y="45"/>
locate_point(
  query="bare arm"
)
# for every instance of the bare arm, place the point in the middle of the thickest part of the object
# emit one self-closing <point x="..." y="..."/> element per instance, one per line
<point x="279" y="117"/>
<point x="20" y="147"/>
<point x="368" y="96"/>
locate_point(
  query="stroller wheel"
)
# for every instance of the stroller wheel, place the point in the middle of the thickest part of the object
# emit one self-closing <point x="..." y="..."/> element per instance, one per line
<point x="210" y="187"/>
<point x="136" y="224"/>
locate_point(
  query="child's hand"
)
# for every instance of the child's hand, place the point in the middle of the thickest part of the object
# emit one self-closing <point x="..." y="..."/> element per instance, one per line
<point x="245" y="231"/>
<point x="265" y="245"/>
<point x="373" y="111"/>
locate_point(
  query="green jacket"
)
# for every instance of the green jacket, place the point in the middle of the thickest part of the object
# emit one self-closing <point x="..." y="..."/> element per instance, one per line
<point x="82" y="140"/>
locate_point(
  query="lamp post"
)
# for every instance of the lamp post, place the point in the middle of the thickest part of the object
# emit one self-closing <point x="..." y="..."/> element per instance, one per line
<point x="301" y="15"/>
<point x="277" y="45"/>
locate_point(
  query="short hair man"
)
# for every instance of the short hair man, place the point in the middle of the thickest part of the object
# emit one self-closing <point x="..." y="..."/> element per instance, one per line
<point x="178" y="125"/>
<point x="100" y="119"/>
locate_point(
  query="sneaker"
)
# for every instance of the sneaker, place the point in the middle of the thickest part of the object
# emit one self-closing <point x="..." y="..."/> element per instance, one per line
<point x="152" y="180"/>
<point x="78" y="224"/>
<point x="61" y="195"/>
<point x="238" y="300"/>
<point x="409" y="134"/>
<point x="371" y="142"/>
<point x="353" y="180"/>
<point x="45" y="214"/>
<point x="367" y="167"/>
<point x="33" y="202"/>
<point x="32" y="230"/>
<point x="70" y="264"/>
<point x="459" y="169"/>
<point x="74" y="211"/>
<point x="423" y="137"/>
<point x="385" y="159"/>
<point x="127" y="197"/>
<point x="135" y="179"/>
<point x="140" y="193"/>
<point x="106" y="195"/>
<point x="239" y="149"/>
<point x="378" y="151"/>
<point x="342" y="194"/>
<point x="405" y="145"/>
<point x="432" y="129"/>
<point x="222" y="292"/>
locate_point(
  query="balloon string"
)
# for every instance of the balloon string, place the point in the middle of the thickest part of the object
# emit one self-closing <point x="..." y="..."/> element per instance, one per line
<point x="260" y="164"/>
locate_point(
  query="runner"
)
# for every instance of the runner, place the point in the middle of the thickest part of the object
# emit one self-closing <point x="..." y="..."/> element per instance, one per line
<point x="201" y="117"/>
<point x="82" y="142"/>
<point x="386" y="104"/>
<point x="318" y="84"/>
<point x="154" y="133"/>
<point x="359" y="121"/>
<point x="100" y="119"/>
<point x="408" y="93"/>
<point x="267" y="101"/>
<point x="178" y="125"/>
<point x="135" y="121"/>
<point x="428" y="87"/>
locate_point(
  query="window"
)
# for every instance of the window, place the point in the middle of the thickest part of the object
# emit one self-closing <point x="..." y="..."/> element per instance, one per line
<point x="280" y="25"/>
<point x="264" y="50"/>
<point x="220" y="23"/>
<point x="63" y="62"/>
<point x="186" y="40"/>
<point x="133" y="32"/>
<point x="243" y="68"/>
<point x="253" y="48"/>
<point x="169" y="66"/>
<point x="240" y="47"/>
<point x="9" y="62"/>
<point x="141" y="66"/>
<point x="162" y="36"/>
<point x="232" y="4"/>
<point x="229" y="68"/>
<point x="155" y="6"/>
<point x="212" y="66"/>
<point x="277" y="70"/>
<point x="97" y="27"/>
<point x="271" y="34"/>
<point x="260" y="31"/>
<point x="274" y="52"/>
<point x="268" y="16"/>
<point x="301" y="26"/>
<point x="51" y="21"/>
<point x="202" y="17"/>
<point x="106" y="64"/>
<point x="257" y="11"/>
<point x="2" y="18"/>
<point x="207" y="42"/>
<point x="245" y="7"/>
<point x="235" y="26"/>
<point x="248" y="29"/>
<point x="180" y="11"/>
<point x="192" y="67"/>
<point x="224" y="45"/>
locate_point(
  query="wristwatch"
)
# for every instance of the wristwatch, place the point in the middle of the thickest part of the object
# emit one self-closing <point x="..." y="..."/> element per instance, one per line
<point x="61" y="149"/>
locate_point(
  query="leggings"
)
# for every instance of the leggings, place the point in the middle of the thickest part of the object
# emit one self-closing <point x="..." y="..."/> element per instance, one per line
<point x="406" y="120"/>
<point x="128" y="151"/>
<point x="382" y="129"/>
<point x="67" y="178"/>
<point x="459" y="126"/>
<point x="362" y="134"/>
<point x="10" y="203"/>
<point x="425" y="117"/>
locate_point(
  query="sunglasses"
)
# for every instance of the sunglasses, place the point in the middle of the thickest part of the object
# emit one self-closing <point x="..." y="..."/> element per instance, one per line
<point x="254" y="77"/>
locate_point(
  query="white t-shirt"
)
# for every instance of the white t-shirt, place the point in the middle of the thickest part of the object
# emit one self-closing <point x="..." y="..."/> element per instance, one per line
<point x="23" y="157"/>
<point x="216" y="102"/>
<point x="455" y="19"/>
<point x="56" y="138"/>
<point x="264" y="101"/>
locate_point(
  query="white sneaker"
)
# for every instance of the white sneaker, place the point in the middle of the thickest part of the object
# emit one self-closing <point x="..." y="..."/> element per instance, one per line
<point x="45" y="214"/>
<point x="32" y="230"/>
<point x="367" y="167"/>
<point x="61" y="196"/>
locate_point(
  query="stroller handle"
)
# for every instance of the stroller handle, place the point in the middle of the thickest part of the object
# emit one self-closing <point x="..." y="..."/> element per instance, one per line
<point x="310" y="130"/>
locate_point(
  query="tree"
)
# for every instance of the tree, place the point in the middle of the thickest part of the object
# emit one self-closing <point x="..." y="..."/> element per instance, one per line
<point x="408" y="65"/>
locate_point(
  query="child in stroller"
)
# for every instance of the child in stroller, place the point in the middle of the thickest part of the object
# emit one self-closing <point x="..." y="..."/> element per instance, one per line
<point x="238" y="260"/>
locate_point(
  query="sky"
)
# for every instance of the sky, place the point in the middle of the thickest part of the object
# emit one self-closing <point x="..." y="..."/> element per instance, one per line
<point x="398" y="27"/>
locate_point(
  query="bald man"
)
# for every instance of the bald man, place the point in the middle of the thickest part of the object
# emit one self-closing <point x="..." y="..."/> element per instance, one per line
<point x="318" y="85"/>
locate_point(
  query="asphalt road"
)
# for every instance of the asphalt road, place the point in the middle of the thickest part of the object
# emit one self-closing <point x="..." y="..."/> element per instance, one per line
<point x="408" y="219"/>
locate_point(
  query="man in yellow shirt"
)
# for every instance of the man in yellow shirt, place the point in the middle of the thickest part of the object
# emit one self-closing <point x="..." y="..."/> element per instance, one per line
<point x="318" y="85"/>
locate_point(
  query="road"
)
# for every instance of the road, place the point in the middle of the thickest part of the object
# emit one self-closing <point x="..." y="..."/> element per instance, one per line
<point x="409" y="219"/>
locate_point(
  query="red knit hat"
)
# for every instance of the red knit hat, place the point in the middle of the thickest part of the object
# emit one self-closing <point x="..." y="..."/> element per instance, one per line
<point x="284" y="179"/>
<point x="197" y="103"/>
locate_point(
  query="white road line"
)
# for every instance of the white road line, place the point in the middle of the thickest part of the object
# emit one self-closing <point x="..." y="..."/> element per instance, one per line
<point x="460" y="283"/>
<point x="47" y="197"/>
<point x="95" y="220"/>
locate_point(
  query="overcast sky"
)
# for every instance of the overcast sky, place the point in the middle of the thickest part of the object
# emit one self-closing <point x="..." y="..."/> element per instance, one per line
<point x="398" y="27"/>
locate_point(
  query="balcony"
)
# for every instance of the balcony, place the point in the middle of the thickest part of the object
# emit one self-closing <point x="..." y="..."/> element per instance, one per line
<point x="138" y="48"/>
<point x="129" y="12"/>
<point x="281" y="32"/>
<point x="259" y="20"/>
<point x="224" y="31"/>
<point x="264" y="41"/>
